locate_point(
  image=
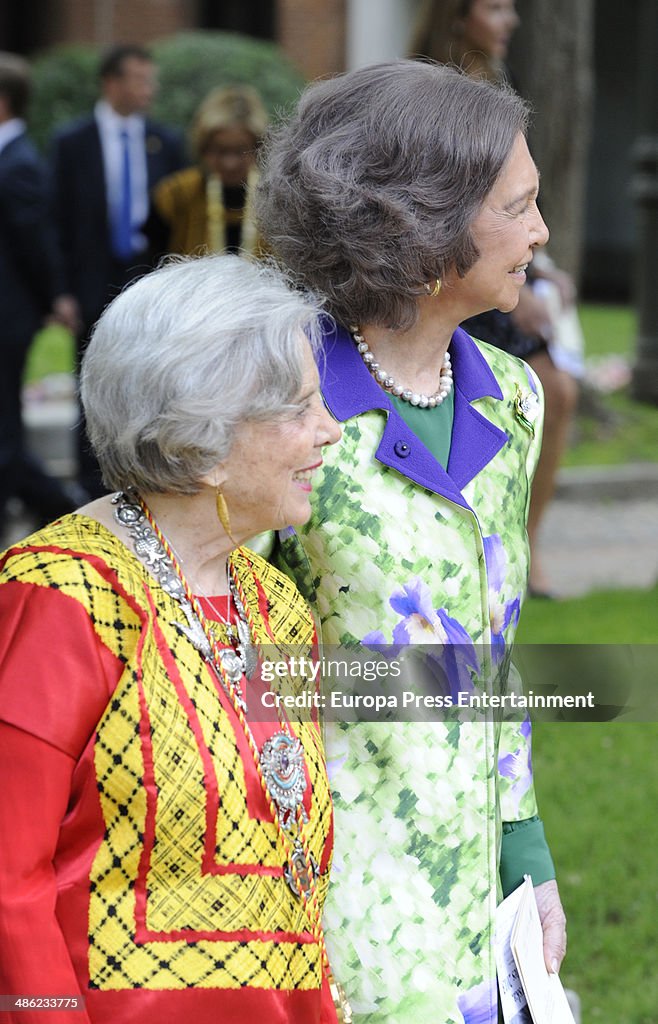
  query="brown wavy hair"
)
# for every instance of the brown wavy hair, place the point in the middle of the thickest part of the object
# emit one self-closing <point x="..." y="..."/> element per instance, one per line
<point x="372" y="186"/>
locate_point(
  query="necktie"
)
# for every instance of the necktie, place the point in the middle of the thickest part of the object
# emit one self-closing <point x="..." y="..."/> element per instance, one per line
<point x="122" y="226"/>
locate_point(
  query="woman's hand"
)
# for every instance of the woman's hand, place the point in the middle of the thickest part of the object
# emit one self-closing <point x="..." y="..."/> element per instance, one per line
<point x="553" y="922"/>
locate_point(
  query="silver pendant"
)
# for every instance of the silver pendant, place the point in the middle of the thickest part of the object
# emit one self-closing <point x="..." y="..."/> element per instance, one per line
<point x="193" y="631"/>
<point x="298" y="860"/>
<point x="282" y="764"/>
<point x="234" y="683"/>
<point x="147" y="546"/>
<point x="232" y="665"/>
<point x="245" y="644"/>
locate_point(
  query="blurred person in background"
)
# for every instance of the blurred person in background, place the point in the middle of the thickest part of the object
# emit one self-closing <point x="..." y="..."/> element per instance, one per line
<point x="544" y="328"/>
<point x="165" y="850"/>
<point x="30" y="290"/>
<point x="104" y="167"/>
<point x="473" y="34"/>
<point x="209" y="206"/>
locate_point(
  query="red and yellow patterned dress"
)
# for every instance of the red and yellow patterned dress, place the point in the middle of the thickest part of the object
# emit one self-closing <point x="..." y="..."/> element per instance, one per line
<point x="141" y="866"/>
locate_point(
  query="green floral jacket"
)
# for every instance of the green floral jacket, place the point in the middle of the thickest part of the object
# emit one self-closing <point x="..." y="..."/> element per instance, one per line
<point x="400" y="551"/>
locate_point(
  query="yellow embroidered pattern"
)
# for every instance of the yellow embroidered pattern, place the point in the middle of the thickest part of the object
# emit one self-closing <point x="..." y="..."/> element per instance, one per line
<point x="161" y="916"/>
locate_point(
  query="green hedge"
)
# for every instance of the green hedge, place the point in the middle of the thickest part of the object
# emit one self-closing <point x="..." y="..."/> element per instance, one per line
<point x="64" y="86"/>
<point x="193" y="63"/>
<point x="190" y="64"/>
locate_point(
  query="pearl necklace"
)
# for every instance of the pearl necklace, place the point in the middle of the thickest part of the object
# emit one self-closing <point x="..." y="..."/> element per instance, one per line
<point x="389" y="383"/>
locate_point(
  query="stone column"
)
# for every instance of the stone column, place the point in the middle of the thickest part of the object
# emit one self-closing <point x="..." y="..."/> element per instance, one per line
<point x="378" y="30"/>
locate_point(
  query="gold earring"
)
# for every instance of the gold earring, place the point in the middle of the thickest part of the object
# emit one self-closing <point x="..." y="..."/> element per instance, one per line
<point x="222" y="512"/>
<point x="434" y="290"/>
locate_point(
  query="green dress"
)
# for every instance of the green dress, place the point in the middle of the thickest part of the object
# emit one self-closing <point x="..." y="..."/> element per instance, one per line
<point x="400" y="550"/>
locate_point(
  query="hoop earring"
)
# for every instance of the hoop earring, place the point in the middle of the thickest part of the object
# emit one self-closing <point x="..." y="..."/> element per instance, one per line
<point x="433" y="290"/>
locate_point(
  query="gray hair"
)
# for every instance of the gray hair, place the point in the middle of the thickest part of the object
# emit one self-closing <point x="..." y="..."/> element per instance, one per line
<point x="181" y="358"/>
<point x="371" y="188"/>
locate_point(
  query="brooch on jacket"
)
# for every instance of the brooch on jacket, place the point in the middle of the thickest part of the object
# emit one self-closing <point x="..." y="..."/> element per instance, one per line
<point x="526" y="407"/>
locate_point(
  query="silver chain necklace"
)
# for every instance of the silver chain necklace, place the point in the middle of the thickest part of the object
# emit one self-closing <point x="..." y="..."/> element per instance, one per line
<point x="238" y="660"/>
<point x="281" y="759"/>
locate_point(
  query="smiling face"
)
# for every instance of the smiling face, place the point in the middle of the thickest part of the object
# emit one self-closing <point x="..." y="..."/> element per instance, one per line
<point x="489" y="26"/>
<point x="266" y="480"/>
<point x="506" y="231"/>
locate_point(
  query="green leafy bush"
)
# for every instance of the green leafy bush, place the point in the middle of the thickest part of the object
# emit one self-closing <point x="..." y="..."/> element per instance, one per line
<point x="193" y="63"/>
<point x="65" y="85"/>
<point x="190" y="64"/>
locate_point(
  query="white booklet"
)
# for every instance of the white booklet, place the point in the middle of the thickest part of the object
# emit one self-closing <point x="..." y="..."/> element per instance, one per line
<point x="529" y="994"/>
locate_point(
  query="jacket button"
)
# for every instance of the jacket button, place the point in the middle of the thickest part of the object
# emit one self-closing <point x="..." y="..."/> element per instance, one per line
<point x="402" y="449"/>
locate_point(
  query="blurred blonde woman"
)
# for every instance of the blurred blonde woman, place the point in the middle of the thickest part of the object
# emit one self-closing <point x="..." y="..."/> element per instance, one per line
<point x="208" y="207"/>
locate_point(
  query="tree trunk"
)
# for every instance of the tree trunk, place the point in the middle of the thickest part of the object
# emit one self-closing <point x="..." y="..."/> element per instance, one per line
<point x="552" y="60"/>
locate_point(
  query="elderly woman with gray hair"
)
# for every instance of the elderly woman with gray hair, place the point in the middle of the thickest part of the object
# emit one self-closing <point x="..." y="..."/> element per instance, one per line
<point x="170" y="850"/>
<point x="405" y="194"/>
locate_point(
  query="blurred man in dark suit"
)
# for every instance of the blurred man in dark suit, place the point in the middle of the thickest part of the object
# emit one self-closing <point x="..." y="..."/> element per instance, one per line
<point x="104" y="168"/>
<point x="29" y="286"/>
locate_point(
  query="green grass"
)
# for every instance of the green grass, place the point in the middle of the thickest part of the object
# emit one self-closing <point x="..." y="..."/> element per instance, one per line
<point x="631" y="428"/>
<point x="630" y="436"/>
<point x="605" y="617"/>
<point x="608" y="330"/>
<point x="597" y="789"/>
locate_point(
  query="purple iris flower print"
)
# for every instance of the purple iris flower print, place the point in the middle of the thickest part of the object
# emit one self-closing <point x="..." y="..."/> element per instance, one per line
<point x="479" y="1005"/>
<point x="419" y="624"/>
<point x="501" y="613"/>
<point x="459" y="660"/>
<point x="517" y="765"/>
<point x="451" y="653"/>
<point x="377" y="640"/>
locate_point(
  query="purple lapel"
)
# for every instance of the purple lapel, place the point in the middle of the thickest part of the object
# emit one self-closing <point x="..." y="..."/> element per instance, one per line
<point x="349" y="389"/>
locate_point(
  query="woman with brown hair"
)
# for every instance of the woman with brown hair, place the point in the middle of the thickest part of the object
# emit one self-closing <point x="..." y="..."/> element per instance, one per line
<point x="404" y="194"/>
<point x="473" y="34"/>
